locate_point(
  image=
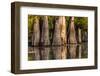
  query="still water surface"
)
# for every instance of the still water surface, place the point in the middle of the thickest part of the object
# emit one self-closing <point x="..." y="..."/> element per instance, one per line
<point x="71" y="51"/>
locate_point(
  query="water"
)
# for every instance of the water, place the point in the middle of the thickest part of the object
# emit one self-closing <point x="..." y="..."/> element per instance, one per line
<point x="71" y="51"/>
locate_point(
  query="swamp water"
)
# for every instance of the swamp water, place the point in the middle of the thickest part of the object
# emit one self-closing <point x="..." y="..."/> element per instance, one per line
<point x="71" y="51"/>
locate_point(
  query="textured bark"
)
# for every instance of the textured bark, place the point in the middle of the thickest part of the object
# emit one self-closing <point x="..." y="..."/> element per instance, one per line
<point x="72" y="51"/>
<point x="36" y="32"/>
<point x="45" y="32"/>
<point x="57" y="36"/>
<point x="45" y="53"/>
<point x="63" y="30"/>
<point x="60" y="36"/>
<point x="72" y="36"/>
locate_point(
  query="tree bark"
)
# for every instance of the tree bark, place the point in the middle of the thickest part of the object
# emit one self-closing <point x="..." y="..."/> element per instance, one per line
<point x="72" y="36"/>
<point x="63" y="30"/>
<point x="36" y="32"/>
<point x="45" y="32"/>
<point x="57" y="36"/>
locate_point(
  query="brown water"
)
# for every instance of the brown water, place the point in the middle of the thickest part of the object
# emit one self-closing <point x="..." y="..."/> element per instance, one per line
<point x="71" y="51"/>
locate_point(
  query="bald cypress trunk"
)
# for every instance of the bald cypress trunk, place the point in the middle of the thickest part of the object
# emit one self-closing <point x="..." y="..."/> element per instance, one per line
<point x="45" y="32"/>
<point x="59" y="37"/>
<point x="72" y="35"/>
<point x="56" y="35"/>
<point x="36" y="32"/>
<point x="63" y="30"/>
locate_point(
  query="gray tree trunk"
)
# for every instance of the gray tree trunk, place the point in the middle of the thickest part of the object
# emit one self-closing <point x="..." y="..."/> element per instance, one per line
<point x="72" y="36"/>
<point x="45" y="32"/>
<point x="57" y="36"/>
<point x="36" y="32"/>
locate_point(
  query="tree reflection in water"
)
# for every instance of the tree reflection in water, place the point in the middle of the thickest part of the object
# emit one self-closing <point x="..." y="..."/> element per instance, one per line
<point x="34" y="53"/>
<point x="44" y="53"/>
<point x="71" y="51"/>
<point x="59" y="52"/>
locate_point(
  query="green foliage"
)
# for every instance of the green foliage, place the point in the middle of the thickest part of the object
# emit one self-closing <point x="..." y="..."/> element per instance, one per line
<point x="81" y="22"/>
<point x="50" y="21"/>
<point x="67" y="20"/>
<point x="31" y="21"/>
<point x="51" y="25"/>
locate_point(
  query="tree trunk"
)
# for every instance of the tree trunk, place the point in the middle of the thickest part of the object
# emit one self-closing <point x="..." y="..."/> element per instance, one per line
<point x="63" y="30"/>
<point x="56" y="35"/>
<point x="72" y="36"/>
<point x="45" y="32"/>
<point x="36" y="32"/>
<point x="79" y="35"/>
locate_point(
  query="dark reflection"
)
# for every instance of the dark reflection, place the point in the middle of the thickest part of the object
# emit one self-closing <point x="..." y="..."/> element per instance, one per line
<point x="34" y="53"/>
<point x="80" y="51"/>
<point x="84" y="50"/>
<point x="71" y="51"/>
<point x="44" y="53"/>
